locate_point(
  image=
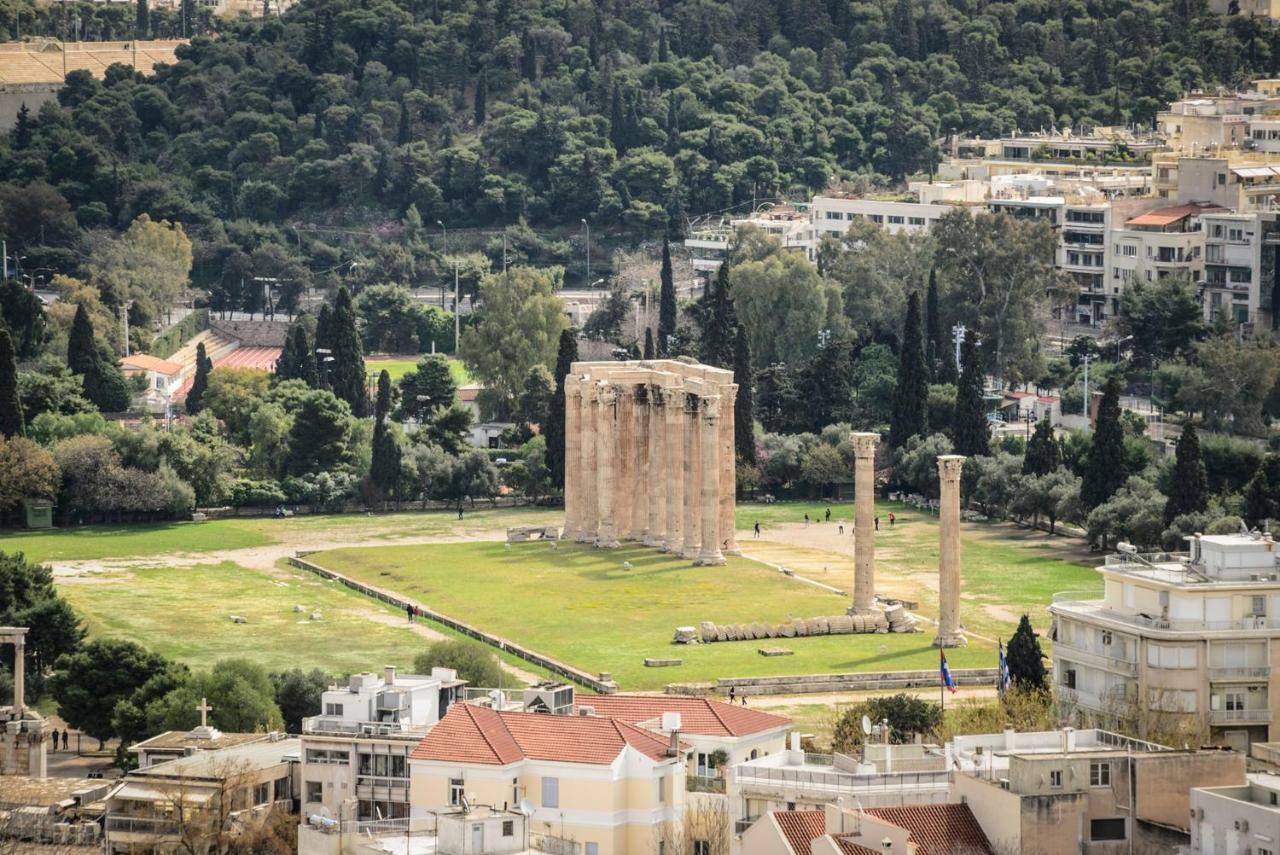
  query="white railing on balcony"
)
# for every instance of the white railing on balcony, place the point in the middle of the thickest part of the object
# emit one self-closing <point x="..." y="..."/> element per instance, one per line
<point x="1259" y="672"/>
<point x="1098" y="609"/>
<point x="553" y="845"/>
<point x="403" y="827"/>
<point x="1239" y="716"/>
<point x="1094" y="656"/>
<point x="838" y="782"/>
<point x="157" y="826"/>
<point x="327" y="724"/>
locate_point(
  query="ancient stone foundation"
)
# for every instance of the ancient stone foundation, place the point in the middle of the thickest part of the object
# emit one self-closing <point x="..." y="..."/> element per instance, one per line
<point x="893" y="619"/>
<point x="649" y="457"/>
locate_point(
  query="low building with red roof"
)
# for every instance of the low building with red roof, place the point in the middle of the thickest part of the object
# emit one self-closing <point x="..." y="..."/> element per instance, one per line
<point x="602" y="782"/>
<point x="944" y="829"/>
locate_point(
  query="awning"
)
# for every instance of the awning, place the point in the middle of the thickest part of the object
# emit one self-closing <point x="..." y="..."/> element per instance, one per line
<point x="147" y="792"/>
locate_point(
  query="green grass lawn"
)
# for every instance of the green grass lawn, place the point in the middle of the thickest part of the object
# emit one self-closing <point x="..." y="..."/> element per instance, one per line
<point x="397" y="367"/>
<point x="583" y="607"/>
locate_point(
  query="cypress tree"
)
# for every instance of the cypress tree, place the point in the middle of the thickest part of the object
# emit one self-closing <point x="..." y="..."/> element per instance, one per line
<point x="666" y="301"/>
<point x="22" y="132"/>
<point x="1042" y="451"/>
<point x="649" y="352"/>
<point x="528" y="57"/>
<point x="1262" y="493"/>
<point x="104" y="385"/>
<point x="11" y="422"/>
<point x="664" y="53"/>
<point x="911" y="394"/>
<point x="324" y="345"/>
<point x="142" y="21"/>
<point x="617" y="121"/>
<point x="482" y="96"/>
<point x="1026" y="661"/>
<point x="82" y="350"/>
<point x="347" y="372"/>
<point x="744" y="426"/>
<point x="553" y="430"/>
<point x="936" y="350"/>
<point x="1189" y="489"/>
<point x="972" y="435"/>
<point x="384" y="469"/>
<point x="719" y="332"/>
<point x="195" y="395"/>
<point x="287" y="365"/>
<point x="1104" y="470"/>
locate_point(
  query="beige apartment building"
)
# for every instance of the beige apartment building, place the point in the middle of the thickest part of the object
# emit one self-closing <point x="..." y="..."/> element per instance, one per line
<point x="1178" y="634"/>
<point x="597" y="785"/>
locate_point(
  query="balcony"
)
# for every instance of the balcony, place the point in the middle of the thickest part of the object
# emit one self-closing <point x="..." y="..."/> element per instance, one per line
<point x="740" y="826"/>
<point x="1225" y="675"/>
<point x="1240" y="716"/>
<point x="836" y="783"/>
<point x="1099" y="659"/>
<point x="1096" y="610"/>
<point x="328" y="725"/>
<point x="703" y="784"/>
<point x="141" y="826"/>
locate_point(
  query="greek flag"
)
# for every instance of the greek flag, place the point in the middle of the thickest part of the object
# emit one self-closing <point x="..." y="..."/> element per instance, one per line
<point x="1004" y="669"/>
<point x="946" y="673"/>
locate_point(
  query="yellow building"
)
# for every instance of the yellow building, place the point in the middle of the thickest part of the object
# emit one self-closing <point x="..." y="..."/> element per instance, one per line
<point x="599" y="785"/>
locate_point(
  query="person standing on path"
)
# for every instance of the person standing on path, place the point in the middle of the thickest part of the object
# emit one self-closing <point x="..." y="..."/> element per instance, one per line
<point x="892" y="519"/>
<point x="806" y="520"/>
<point x="877" y="522"/>
<point x="65" y="731"/>
<point x="757" y="530"/>
<point x="54" y="738"/>
<point x="408" y="610"/>
<point x="828" y="519"/>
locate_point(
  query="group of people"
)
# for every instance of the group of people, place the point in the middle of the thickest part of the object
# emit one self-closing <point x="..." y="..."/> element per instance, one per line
<point x="53" y="738"/>
<point x="827" y="518"/>
<point x="412" y="611"/>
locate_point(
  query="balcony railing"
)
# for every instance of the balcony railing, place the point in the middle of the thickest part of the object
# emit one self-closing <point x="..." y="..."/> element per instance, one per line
<point x="1240" y="716"/>
<point x="1098" y="609"/>
<point x="554" y="845"/>
<point x="838" y="782"/>
<point x="703" y="784"/>
<point x="154" y="826"/>
<point x="327" y="724"/>
<point x="1090" y="656"/>
<point x="1255" y="673"/>
<point x="740" y="826"/>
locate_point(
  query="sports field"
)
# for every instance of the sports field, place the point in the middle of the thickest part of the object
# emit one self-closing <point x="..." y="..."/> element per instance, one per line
<point x="398" y="366"/>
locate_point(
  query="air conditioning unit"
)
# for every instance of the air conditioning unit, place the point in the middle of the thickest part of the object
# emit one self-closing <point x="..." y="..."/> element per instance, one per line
<point x="1242" y="825"/>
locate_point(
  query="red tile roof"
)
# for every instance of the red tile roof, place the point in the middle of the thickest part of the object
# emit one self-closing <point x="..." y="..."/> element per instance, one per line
<point x="938" y="829"/>
<point x="800" y="827"/>
<point x="147" y="362"/>
<point x="848" y="847"/>
<point x="700" y="716"/>
<point x="263" y="358"/>
<point x="472" y="734"/>
<point x="1168" y="216"/>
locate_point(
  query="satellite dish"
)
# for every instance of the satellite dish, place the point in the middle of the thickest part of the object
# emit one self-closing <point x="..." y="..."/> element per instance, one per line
<point x="866" y="725"/>
<point x="525" y="808"/>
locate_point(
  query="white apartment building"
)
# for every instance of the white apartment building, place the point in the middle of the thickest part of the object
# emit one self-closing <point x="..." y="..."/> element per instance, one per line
<point x="1156" y="245"/>
<point x="1239" y="266"/>
<point x="1178" y="634"/>
<point x="355" y="753"/>
<point x="832" y="215"/>
<point x="1240" y="818"/>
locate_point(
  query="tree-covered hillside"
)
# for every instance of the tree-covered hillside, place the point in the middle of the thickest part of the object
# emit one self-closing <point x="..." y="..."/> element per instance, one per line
<point x="345" y="129"/>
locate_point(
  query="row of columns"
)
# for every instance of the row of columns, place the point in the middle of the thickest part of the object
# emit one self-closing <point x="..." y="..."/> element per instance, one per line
<point x="649" y="458"/>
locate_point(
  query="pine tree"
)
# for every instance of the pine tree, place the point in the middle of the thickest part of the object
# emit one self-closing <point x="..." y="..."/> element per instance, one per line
<point x="744" y="426"/>
<point x="1262" y="493"/>
<point x="617" y="121"/>
<point x="195" y="395"/>
<point x="648" y="352"/>
<point x="972" y="434"/>
<point x="384" y="469"/>
<point x="142" y="21"/>
<point x="347" y="371"/>
<point x="1105" y="470"/>
<point x="553" y="430"/>
<point x="911" y="394"/>
<point x="936" y="350"/>
<point x="663" y="53"/>
<point x="1189" y="488"/>
<point x="11" y="421"/>
<point x="721" y="321"/>
<point x="1042" y="451"/>
<point x="666" y="301"/>
<point x="528" y="57"/>
<point x="324" y="345"/>
<point x="22" y="128"/>
<point x="1025" y="659"/>
<point x="481" y="97"/>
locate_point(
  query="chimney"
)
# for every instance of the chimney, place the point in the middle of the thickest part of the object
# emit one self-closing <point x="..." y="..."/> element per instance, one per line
<point x="389" y="675"/>
<point x="1009" y="733"/>
<point x="671" y="723"/>
<point x="795" y="740"/>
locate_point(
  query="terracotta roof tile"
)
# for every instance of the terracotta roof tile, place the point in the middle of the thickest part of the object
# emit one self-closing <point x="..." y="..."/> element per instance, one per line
<point x="800" y="827"/>
<point x="471" y="734"/>
<point x="938" y="829"/>
<point x="848" y="847"/>
<point x="700" y="716"/>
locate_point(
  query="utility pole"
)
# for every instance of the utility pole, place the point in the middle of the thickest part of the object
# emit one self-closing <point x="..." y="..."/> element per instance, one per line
<point x="457" y="317"/>
<point x="587" y="226"/>
<point x="4" y="248"/>
<point x="957" y="334"/>
<point x="124" y="319"/>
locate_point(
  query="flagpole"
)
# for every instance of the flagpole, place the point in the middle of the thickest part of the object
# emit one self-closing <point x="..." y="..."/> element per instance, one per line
<point x="942" y="680"/>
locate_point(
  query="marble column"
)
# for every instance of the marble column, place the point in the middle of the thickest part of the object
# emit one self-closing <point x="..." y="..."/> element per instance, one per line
<point x="673" y="411"/>
<point x="572" y="458"/>
<point x="728" y="471"/>
<point x="864" y="522"/>
<point x="606" y="450"/>
<point x="692" y="480"/>
<point x="656" y="470"/>
<point x="624" y="464"/>
<point x="589" y="420"/>
<point x="949" y="632"/>
<point x="641" y="482"/>
<point x="19" y="674"/>
<point x="709" y="439"/>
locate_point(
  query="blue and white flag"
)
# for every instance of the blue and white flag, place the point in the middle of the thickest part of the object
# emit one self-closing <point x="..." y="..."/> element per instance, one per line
<point x="946" y="673"/>
<point x="1004" y="669"/>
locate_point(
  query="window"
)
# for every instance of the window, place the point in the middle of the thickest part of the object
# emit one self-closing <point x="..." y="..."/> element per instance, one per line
<point x="515" y="791"/>
<point x="1055" y="779"/>
<point x="551" y="792"/>
<point x="456" y="787"/>
<point x="315" y="791"/>
<point x="1258" y="606"/>
<point x="915" y="221"/>
<point x="706" y="765"/>
<point x="1274" y="799"/>
<point x="333" y="709"/>
<point x="383" y="765"/>
<point x="895" y="220"/>
<point x="877" y="218"/>
<point x="592" y="848"/>
<point x="702" y="847"/>
<point x="282" y="789"/>
<point x="1106" y="637"/>
<point x="508" y="828"/>
<point x="1099" y="774"/>
<point x="662" y="790"/>
<point x="1069" y="678"/>
<point x="1107" y="829"/>
<point x="1129" y="250"/>
<point x="1222" y="181"/>
<point x="261" y="794"/>
<point x="325" y="756"/>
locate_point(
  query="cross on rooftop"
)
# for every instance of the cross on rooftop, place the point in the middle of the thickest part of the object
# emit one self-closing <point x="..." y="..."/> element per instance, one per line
<point x="203" y="708"/>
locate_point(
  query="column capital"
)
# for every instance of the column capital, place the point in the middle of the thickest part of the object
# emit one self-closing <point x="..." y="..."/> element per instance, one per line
<point x="864" y="444"/>
<point x="608" y="394"/>
<point x="572" y="386"/>
<point x="950" y="466"/>
<point x="710" y="406"/>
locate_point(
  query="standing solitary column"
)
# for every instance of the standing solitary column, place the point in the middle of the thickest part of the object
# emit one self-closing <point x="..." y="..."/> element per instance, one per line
<point x="640" y="481"/>
<point x="655" y="474"/>
<point x="606" y="448"/>
<point x="709" y="437"/>
<point x="588" y="420"/>
<point x="692" y="485"/>
<point x="19" y="673"/>
<point x="673" y="410"/>
<point x="624" y="465"/>
<point x="728" y="471"/>
<point x="572" y="461"/>
<point x="949" y="633"/>
<point x="864" y="522"/>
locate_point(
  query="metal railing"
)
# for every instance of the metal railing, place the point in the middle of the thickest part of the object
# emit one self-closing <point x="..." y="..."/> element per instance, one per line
<point x="701" y="784"/>
<point x="157" y="826"/>
<point x="841" y="781"/>
<point x="1098" y="609"/>
<point x="1117" y="663"/>
<point x="1239" y="716"/>
<point x="1260" y="672"/>
<point x="321" y="724"/>
<point x="819" y="759"/>
<point x="740" y="826"/>
<point x="553" y="845"/>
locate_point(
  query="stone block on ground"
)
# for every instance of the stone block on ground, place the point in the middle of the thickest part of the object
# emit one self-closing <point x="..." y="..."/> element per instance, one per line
<point x="707" y="630"/>
<point x="685" y="635"/>
<point x="775" y="651"/>
<point x="786" y="630"/>
<point x="801" y="626"/>
<point x="238" y="619"/>
<point x="819" y="626"/>
<point x="759" y="630"/>
<point x="722" y="632"/>
<point x="663" y="663"/>
<point x="841" y="625"/>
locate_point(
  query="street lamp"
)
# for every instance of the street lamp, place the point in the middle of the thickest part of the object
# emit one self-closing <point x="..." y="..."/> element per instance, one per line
<point x="587" y="226"/>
